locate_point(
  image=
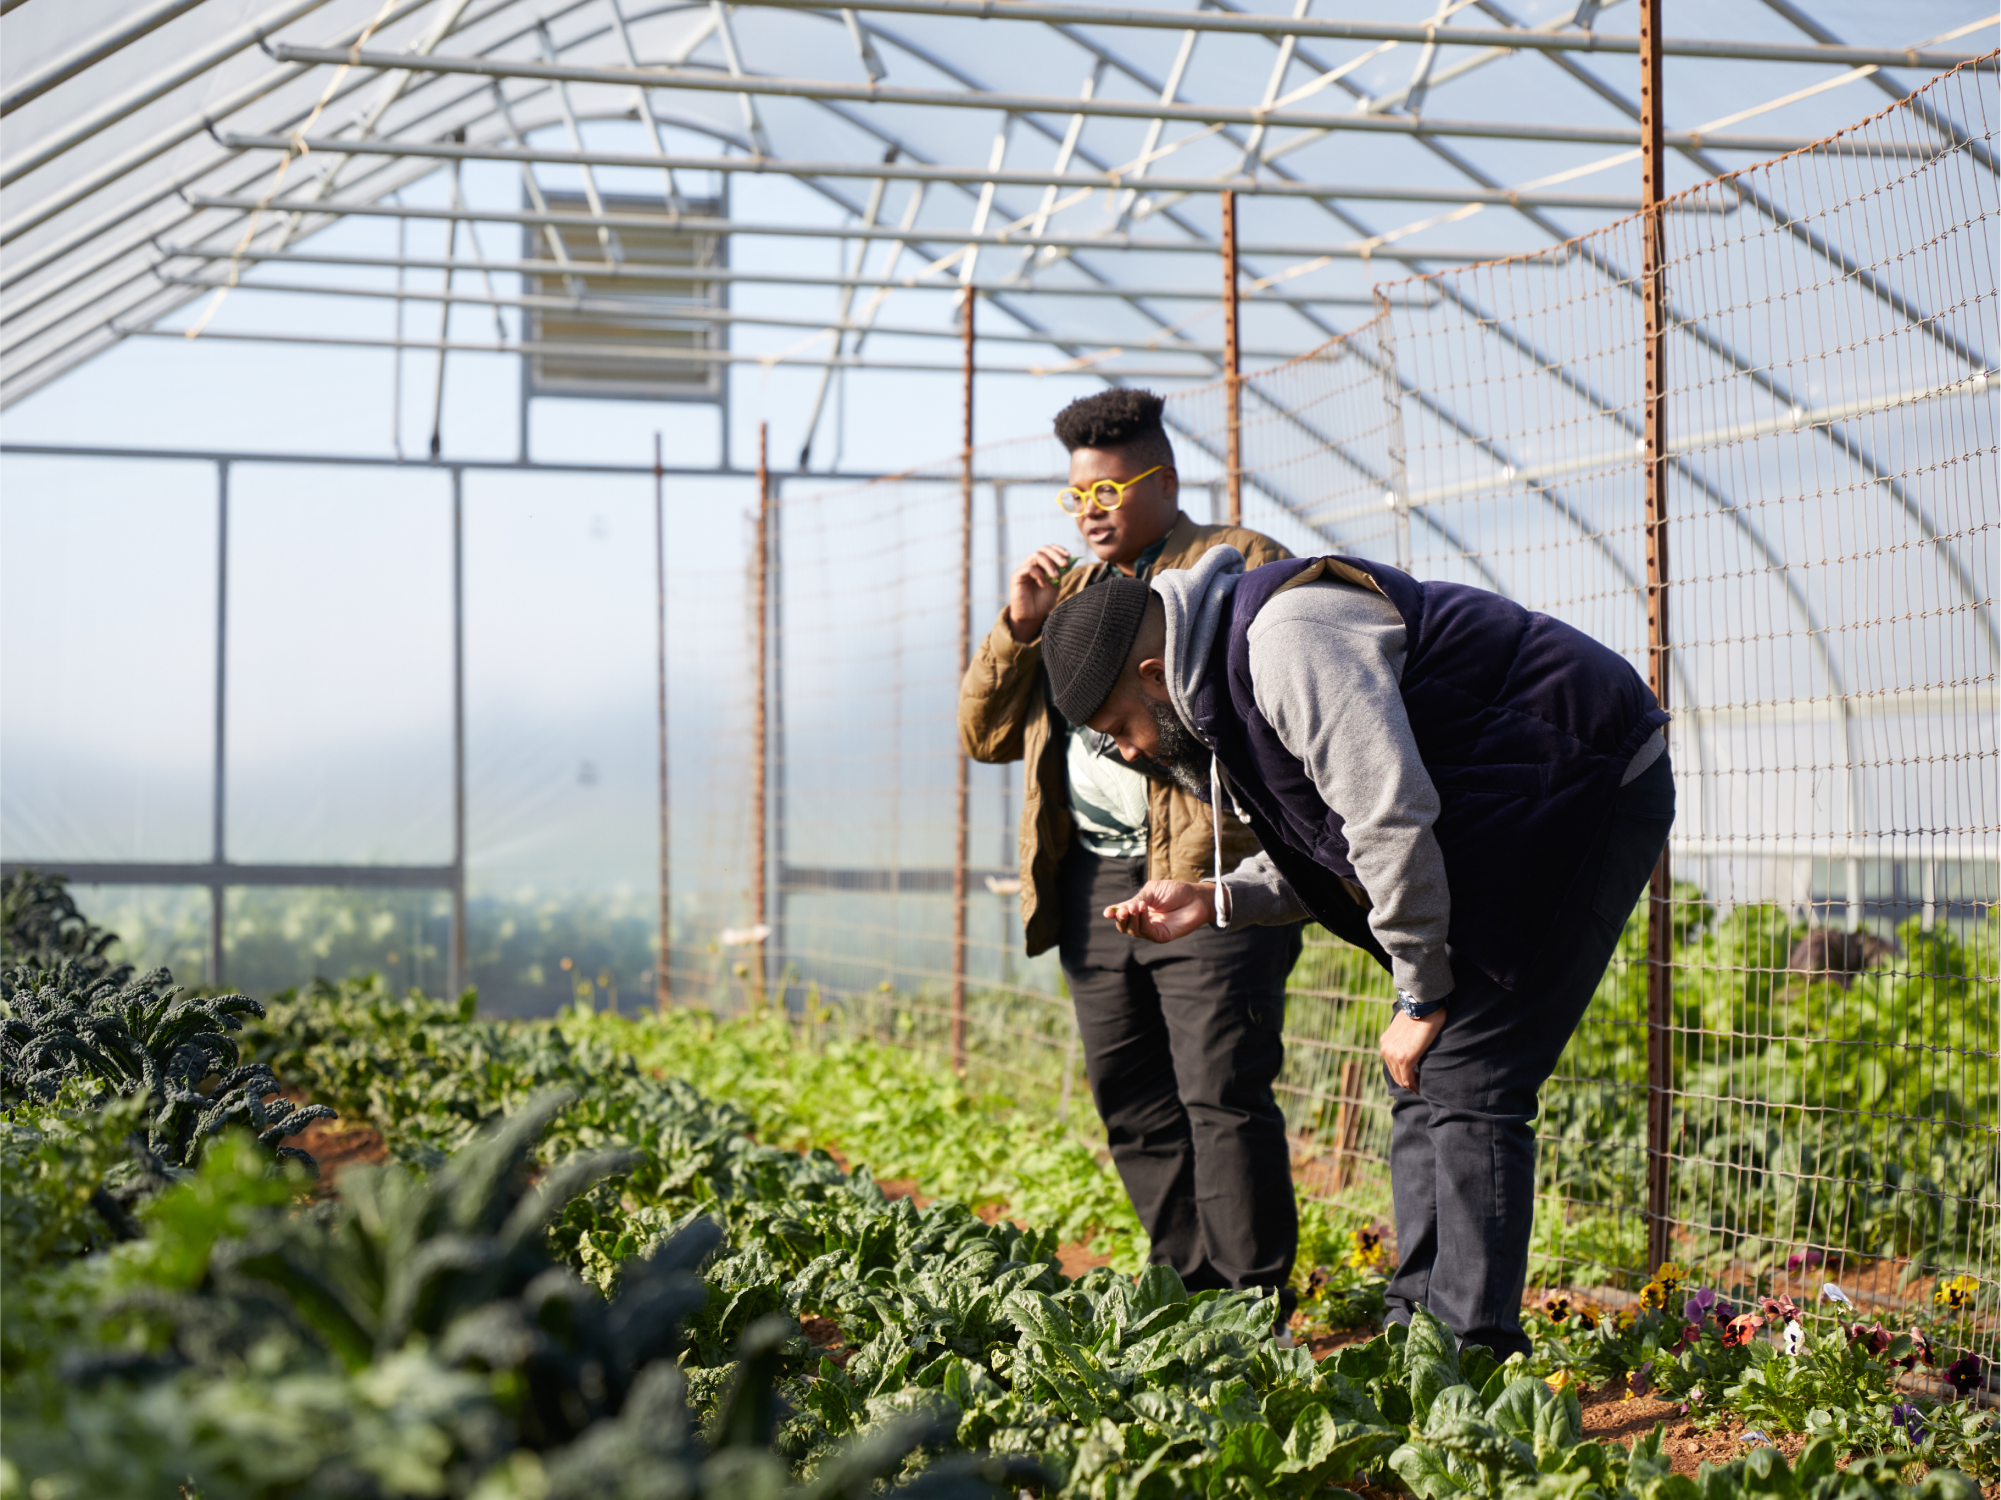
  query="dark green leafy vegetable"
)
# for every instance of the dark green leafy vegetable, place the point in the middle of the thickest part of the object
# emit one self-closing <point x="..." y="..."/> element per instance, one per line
<point x="416" y="1338"/>
<point x="40" y="928"/>
<point x="143" y="1038"/>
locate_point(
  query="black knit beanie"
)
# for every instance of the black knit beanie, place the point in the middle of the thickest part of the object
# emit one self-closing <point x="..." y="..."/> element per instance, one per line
<point x="1085" y="642"/>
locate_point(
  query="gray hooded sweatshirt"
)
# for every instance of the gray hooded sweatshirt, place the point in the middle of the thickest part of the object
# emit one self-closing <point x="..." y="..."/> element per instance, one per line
<point x="1326" y="665"/>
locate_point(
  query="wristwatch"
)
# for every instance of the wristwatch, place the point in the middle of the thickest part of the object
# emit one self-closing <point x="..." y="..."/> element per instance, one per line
<point x="1408" y="1004"/>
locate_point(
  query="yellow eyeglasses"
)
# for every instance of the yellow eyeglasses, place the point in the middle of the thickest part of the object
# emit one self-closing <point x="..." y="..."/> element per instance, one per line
<point x="1106" y="494"/>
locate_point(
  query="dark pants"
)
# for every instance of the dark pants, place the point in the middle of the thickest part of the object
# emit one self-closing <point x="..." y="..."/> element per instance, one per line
<point x="1182" y="1045"/>
<point x="1462" y="1149"/>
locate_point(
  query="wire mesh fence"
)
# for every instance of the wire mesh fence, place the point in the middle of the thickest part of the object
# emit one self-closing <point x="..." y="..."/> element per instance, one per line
<point x="1833" y="524"/>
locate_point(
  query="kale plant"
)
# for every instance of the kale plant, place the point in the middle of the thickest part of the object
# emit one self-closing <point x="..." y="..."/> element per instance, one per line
<point x="41" y="928"/>
<point x="143" y="1038"/>
<point x="435" y="1297"/>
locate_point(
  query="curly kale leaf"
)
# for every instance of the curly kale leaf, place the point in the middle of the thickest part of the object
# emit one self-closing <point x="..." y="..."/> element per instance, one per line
<point x="143" y="1038"/>
<point x="41" y="928"/>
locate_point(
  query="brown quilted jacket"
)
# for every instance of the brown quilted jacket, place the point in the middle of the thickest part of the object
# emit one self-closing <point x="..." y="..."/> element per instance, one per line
<point x="1005" y="714"/>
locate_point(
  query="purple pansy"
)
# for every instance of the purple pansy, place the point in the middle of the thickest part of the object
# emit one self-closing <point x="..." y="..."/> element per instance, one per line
<point x="1703" y="1303"/>
<point x="1964" y="1372"/>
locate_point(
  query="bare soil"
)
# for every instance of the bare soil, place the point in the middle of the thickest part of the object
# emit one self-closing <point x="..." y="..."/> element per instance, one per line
<point x="337" y="1144"/>
<point x="825" y="1335"/>
<point x="1326" y="1340"/>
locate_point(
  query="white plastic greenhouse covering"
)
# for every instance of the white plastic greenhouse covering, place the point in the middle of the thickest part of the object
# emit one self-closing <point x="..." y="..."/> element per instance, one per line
<point x="284" y="542"/>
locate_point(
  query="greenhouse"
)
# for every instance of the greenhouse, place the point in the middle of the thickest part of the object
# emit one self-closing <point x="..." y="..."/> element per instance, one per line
<point x="497" y="506"/>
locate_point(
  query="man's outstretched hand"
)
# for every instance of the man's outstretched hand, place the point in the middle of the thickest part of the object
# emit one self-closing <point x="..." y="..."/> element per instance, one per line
<point x="1405" y="1044"/>
<point x="1165" y="910"/>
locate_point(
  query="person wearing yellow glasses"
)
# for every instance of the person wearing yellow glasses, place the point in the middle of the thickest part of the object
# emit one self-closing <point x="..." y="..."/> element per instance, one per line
<point x="1181" y="1044"/>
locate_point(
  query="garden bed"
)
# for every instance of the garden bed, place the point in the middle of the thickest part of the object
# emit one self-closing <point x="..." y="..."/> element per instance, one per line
<point x="498" y="1295"/>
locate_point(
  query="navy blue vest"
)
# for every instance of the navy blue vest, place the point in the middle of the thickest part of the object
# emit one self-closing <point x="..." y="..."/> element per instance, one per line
<point x="1525" y="723"/>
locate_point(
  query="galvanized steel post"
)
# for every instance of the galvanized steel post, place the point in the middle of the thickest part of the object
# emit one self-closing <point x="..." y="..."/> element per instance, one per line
<point x="1233" y="380"/>
<point x="761" y="610"/>
<point x="455" y="967"/>
<point x="663" y="966"/>
<point x="1660" y="914"/>
<point x="960" y="766"/>
<point x="218" y="805"/>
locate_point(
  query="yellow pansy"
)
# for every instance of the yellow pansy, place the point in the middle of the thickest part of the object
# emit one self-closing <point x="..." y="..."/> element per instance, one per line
<point x="1956" y="1294"/>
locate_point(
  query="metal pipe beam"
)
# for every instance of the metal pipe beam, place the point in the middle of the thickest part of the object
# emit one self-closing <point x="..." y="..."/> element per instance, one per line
<point x="1360" y="250"/>
<point x="1893" y="87"/>
<point x="64" y="356"/>
<point x="1375" y="31"/>
<point x="977" y="176"/>
<point x="77" y="189"/>
<point x="1768" y="380"/>
<point x="385" y="461"/>
<point x="603" y="270"/>
<point x="615" y="305"/>
<point x="1123" y="109"/>
<point x="1776" y="214"/>
<point x="112" y="111"/>
<point x="665" y="356"/>
<point x="215" y="873"/>
<point x="88" y="54"/>
<point x="45" y="308"/>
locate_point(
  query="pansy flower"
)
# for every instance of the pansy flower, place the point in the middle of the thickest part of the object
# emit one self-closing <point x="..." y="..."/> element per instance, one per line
<point x="1670" y="1276"/>
<point x="1738" y="1331"/>
<point x="1964" y="1372"/>
<point x="1556" y="1306"/>
<point x="1653" y="1296"/>
<point x="1956" y="1295"/>
<point x="1366" y="1249"/>
<point x="1795" y="1338"/>
<point x="1871" y="1334"/>
<point x="1922" y="1351"/>
<point x="1640" y="1381"/>
<point x="1703" y="1304"/>
<point x="1832" y="1293"/>
<point x="1691" y="1333"/>
<point x="1780" y="1309"/>
<point x="1908" y="1417"/>
<point x="1801" y="1260"/>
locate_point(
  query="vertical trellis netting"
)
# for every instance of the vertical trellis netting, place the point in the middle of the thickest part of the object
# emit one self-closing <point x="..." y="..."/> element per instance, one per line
<point x="1830" y="1072"/>
<point x="1831" y="552"/>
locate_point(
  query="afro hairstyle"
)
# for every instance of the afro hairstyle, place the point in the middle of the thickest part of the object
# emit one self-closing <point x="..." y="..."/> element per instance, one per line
<point x="1117" y="418"/>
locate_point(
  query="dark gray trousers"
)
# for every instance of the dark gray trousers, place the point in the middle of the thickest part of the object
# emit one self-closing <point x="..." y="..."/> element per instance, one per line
<point x="1181" y="1046"/>
<point x="1462" y="1149"/>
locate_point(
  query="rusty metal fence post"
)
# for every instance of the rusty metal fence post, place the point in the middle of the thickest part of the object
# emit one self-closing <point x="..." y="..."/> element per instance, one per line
<point x="961" y="770"/>
<point x="1660" y="891"/>
<point x="663" y="978"/>
<point x="759" y="732"/>
<point x="1233" y="380"/>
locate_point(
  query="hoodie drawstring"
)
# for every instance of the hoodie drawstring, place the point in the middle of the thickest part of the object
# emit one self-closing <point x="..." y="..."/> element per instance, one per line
<point x="1216" y="834"/>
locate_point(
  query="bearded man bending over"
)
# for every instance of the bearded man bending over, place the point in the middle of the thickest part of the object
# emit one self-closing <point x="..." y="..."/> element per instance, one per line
<point x="1474" y="793"/>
